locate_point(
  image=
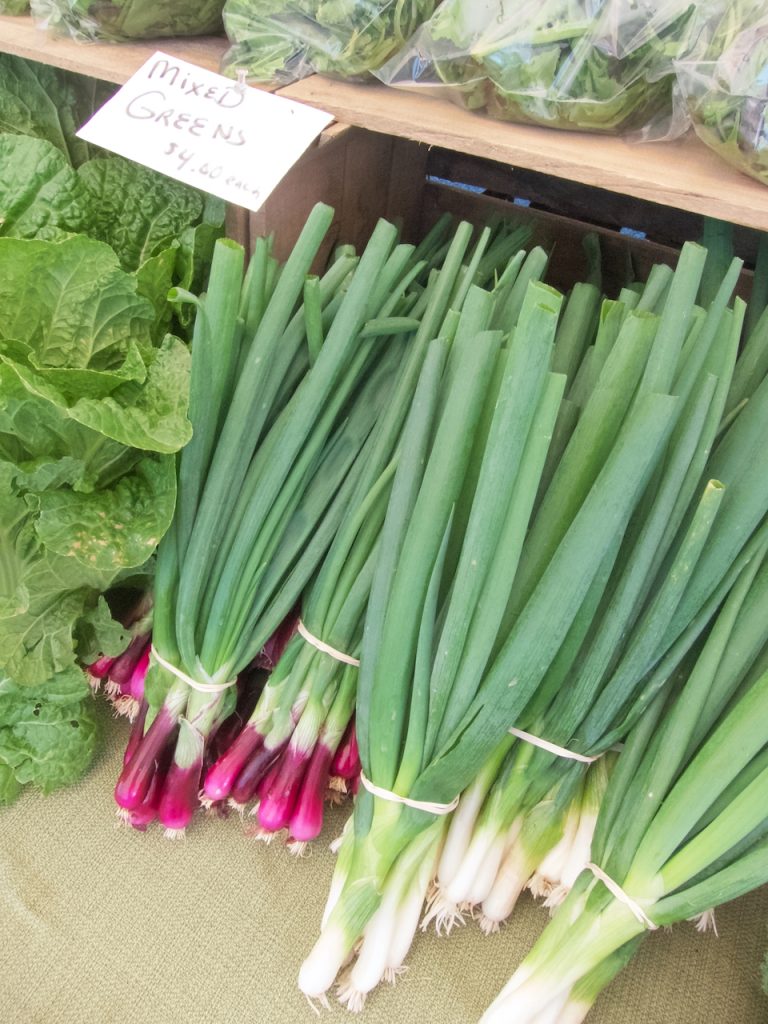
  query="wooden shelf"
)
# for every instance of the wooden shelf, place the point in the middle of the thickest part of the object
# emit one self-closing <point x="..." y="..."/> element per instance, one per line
<point x="683" y="174"/>
<point x="111" y="62"/>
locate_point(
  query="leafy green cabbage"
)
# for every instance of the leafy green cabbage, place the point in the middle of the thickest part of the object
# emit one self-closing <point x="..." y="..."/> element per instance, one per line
<point x="93" y="400"/>
<point x="90" y="411"/>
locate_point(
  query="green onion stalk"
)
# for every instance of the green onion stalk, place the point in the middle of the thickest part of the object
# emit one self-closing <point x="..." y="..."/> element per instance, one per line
<point x="283" y="431"/>
<point x="439" y="686"/>
<point x="683" y="826"/>
<point x="599" y="548"/>
<point x="287" y="749"/>
<point x="660" y="595"/>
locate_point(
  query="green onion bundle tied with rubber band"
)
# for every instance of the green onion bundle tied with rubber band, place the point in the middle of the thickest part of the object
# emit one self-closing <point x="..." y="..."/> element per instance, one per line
<point x="613" y="582"/>
<point x="683" y="826"/>
<point x="285" y="752"/>
<point x="278" y="448"/>
<point x="517" y="810"/>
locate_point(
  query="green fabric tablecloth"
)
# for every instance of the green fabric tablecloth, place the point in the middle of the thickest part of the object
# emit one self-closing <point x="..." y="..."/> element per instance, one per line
<point x="103" y="925"/>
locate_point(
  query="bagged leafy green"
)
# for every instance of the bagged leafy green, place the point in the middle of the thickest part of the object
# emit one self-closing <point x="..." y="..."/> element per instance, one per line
<point x="13" y="7"/>
<point x="128" y="19"/>
<point x="724" y="80"/>
<point x="595" y="65"/>
<point x="289" y="39"/>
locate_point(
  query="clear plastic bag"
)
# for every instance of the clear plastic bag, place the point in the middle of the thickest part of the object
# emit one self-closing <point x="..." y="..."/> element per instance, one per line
<point x="724" y="80"/>
<point x="594" y="65"/>
<point x="14" y="6"/>
<point x="91" y="20"/>
<point x="284" y="40"/>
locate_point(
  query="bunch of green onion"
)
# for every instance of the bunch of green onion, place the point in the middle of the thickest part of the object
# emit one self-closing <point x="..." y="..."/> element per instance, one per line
<point x="288" y="747"/>
<point x="683" y="826"/>
<point x="517" y="565"/>
<point x="289" y="379"/>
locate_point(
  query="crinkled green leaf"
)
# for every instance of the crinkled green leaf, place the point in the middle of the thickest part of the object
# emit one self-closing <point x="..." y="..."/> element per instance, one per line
<point x="70" y="302"/>
<point x="44" y="742"/>
<point x="114" y="527"/>
<point x="68" y="687"/>
<point x="48" y="103"/>
<point x="42" y="594"/>
<point x="41" y="195"/>
<point x="152" y="416"/>
<point x="46" y="448"/>
<point x="39" y="642"/>
<point x="136" y="211"/>
<point x="154" y="279"/>
<point x="74" y="382"/>
<point x="10" y="788"/>
<point x="97" y="634"/>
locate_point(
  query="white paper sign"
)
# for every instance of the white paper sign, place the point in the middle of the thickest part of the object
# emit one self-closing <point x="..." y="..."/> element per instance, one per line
<point x="205" y="130"/>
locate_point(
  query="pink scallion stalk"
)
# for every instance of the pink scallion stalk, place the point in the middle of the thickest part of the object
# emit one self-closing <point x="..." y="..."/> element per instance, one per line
<point x="179" y="799"/>
<point x="137" y="732"/>
<point x="346" y="762"/>
<point x="279" y="798"/>
<point x="257" y="772"/>
<point x="224" y="773"/>
<point x="146" y="812"/>
<point x="139" y="674"/>
<point x="135" y="778"/>
<point x="98" y="670"/>
<point x="306" y="821"/>
<point x="273" y="649"/>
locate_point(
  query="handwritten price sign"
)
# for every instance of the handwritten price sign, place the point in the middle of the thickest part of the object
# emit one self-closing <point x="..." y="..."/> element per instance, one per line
<point x="205" y="130"/>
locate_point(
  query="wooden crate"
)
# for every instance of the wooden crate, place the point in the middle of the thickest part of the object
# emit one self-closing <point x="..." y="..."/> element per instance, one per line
<point x="365" y="175"/>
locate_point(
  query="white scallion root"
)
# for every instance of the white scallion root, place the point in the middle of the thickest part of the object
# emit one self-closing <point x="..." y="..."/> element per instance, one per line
<point x="111" y="689"/>
<point x="322" y="1000"/>
<point x="125" y="706"/>
<point x="443" y="912"/>
<point x="297" y="848"/>
<point x="338" y="785"/>
<point x="261" y="835"/>
<point x="705" y="922"/>
<point x="175" y="833"/>
<point x="556" y="897"/>
<point x="349" y="996"/>
<point x="94" y="682"/>
<point x="235" y="806"/>
<point x="540" y="886"/>
<point x="392" y="974"/>
<point x="205" y="801"/>
<point x="335" y="846"/>
<point x="488" y="926"/>
<point x="123" y="816"/>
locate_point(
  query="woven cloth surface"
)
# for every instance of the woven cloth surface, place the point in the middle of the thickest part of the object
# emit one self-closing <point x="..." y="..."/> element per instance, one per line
<point x="102" y="925"/>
